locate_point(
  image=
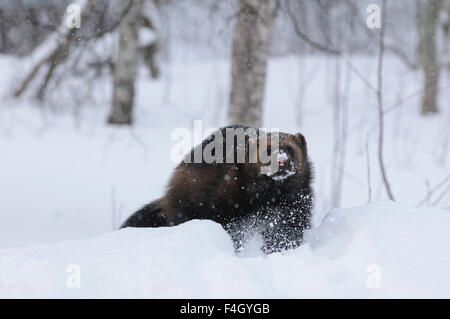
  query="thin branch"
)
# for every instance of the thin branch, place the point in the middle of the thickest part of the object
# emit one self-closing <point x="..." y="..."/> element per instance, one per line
<point x="441" y="196"/>
<point x="139" y="141"/>
<point x="304" y="36"/>
<point x="61" y="51"/>
<point x="362" y="77"/>
<point x="414" y="65"/>
<point x="403" y="101"/>
<point x="380" y="105"/>
<point x="433" y="190"/>
<point x="369" y="182"/>
<point x="114" y="26"/>
<point x="325" y="49"/>
<point x="58" y="54"/>
<point x="428" y="196"/>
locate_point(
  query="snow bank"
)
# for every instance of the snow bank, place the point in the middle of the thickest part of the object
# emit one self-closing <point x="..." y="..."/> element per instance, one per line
<point x="378" y="250"/>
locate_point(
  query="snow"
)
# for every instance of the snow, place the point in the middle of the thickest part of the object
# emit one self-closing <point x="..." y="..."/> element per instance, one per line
<point x="405" y="248"/>
<point x="146" y="36"/>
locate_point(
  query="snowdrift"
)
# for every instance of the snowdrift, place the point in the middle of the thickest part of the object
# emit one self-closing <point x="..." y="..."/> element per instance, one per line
<point x="378" y="250"/>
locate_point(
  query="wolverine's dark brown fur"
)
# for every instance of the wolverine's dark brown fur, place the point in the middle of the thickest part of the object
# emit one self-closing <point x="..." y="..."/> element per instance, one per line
<point x="237" y="195"/>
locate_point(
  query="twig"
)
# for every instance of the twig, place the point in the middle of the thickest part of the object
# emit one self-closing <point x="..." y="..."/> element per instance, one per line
<point x="139" y="141"/>
<point x="441" y="196"/>
<point x="335" y="194"/>
<point x="304" y="36"/>
<point x="427" y="185"/>
<point x="362" y="77"/>
<point x="414" y="65"/>
<point x="323" y="48"/>
<point x="380" y="106"/>
<point x="406" y="99"/>
<point x="369" y="182"/>
<point x="112" y="27"/>
<point x="430" y="193"/>
<point x="403" y="101"/>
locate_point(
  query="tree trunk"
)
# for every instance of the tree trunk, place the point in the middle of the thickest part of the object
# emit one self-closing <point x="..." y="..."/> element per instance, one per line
<point x="249" y="60"/>
<point x="447" y="34"/>
<point x="428" y="55"/>
<point x="126" y="66"/>
<point x="150" y="50"/>
<point x="3" y="34"/>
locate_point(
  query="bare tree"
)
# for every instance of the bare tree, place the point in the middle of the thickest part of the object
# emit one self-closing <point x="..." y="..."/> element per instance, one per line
<point x="59" y="44"/>
<point x="56" y="49"/>
<point x="249" y="60"/>
<point x="126" y="66"/>
<point x="428" y="55"/>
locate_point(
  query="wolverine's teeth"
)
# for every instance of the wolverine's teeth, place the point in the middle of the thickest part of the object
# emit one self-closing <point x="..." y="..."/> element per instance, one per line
<point x="282" y="157"/>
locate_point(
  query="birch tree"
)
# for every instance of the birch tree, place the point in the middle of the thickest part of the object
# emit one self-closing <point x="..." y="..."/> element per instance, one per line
<point x="126" y="66"/>
<point x="249" y="60"/>
<point x="428" y="55"/>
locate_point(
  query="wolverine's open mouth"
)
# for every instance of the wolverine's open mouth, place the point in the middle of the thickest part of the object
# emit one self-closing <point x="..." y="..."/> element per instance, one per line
<point x="280" y="167"/>
<point x="282" y="158"/>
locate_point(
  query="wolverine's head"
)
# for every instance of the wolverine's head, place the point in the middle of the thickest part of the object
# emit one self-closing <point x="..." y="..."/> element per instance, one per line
<point x="279" y="155"/>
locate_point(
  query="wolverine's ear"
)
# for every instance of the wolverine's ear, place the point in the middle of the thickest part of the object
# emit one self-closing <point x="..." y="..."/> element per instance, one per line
<point x="300" y="140"/>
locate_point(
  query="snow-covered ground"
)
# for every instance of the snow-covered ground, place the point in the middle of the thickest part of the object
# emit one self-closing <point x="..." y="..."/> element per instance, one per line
<point x="65" y="177"/>
<point x="378" y="250"/>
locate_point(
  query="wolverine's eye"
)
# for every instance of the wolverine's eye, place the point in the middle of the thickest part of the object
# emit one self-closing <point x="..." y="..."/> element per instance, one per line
<point x="290" y="151"/>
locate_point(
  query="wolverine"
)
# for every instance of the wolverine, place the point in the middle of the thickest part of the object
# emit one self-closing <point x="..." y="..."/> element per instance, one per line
<point x="244" y="178"/>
